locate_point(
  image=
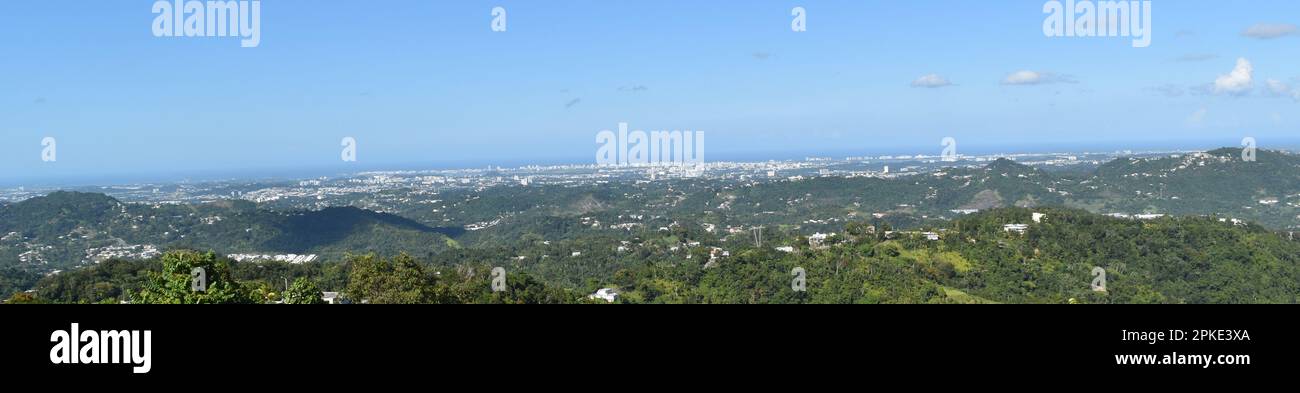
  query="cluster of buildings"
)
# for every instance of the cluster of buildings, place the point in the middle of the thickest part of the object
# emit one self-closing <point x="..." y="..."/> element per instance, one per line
<point x="478" y="226"/>
<point x="287" y="258"/>
<point x="139" y="251"/>
<point x="1136" y="216"/>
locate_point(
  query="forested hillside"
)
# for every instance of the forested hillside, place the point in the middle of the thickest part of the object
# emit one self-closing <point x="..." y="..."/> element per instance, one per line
<point x="67" y="229"/>
<point x="975" y="259"/>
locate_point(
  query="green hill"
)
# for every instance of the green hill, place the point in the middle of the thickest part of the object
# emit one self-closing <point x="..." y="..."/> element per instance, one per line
<point x="58" y="231"/>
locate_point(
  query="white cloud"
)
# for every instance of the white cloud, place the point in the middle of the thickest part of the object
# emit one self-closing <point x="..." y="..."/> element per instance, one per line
<point x="931" y="81"/>
<point x="1237" y="82"/>
<point x="1028" y="78"/>
<point x="1267" y="31"/>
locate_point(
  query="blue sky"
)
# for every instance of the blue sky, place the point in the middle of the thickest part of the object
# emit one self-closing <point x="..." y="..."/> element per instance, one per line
<point x="428" y="82"/>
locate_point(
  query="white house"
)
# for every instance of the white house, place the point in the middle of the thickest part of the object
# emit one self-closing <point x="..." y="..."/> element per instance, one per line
<point x="818" y="239"/>
<point x="606" y="294"/>
<point x="1017" y="228"/>
<point x="1038" y="218"/>
<point x="330" y="297"/>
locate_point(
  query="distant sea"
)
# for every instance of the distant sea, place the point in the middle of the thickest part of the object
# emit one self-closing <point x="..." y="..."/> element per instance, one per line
<point x="712" y="155"/>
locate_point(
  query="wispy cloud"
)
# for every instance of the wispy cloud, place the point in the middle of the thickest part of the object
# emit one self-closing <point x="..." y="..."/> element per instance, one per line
<point x="1030" y="78"/>
<point x="633" y="88"/>
<point x="1168" y="90"/>
<point x="931" y="81"/>
<point x="1268" y="31"/>
<point x="572" y="102"/>
<point x="761" y="55"/>
<point x="1277" y="88"/>
<point x="1195" y="57"/>
<point x="1197" y="118"/>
